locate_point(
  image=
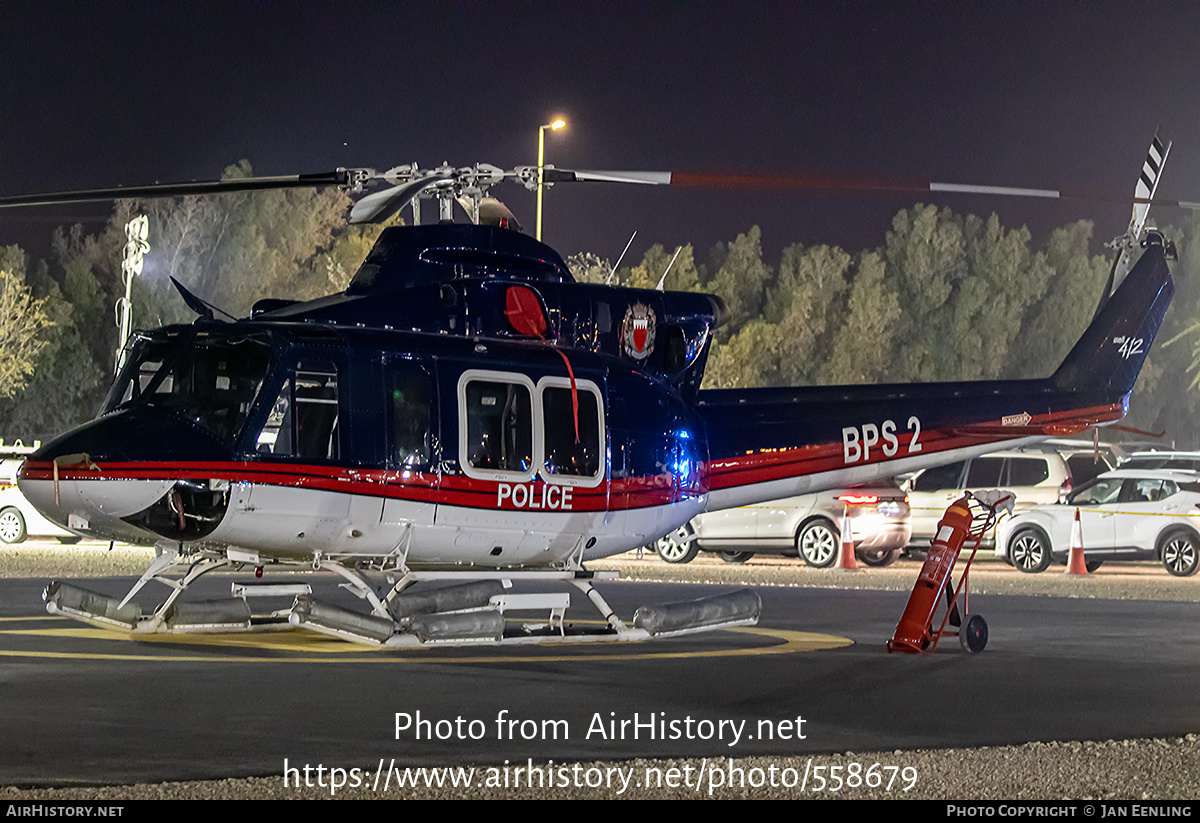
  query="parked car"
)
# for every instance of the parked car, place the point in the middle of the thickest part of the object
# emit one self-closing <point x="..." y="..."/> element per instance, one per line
<point x="808" y="526"/>
<point x="1187" y="461"/>
<point x="1036" y="476"/>
<point x="1127" y="514"/>
<point x="18" y="519"/>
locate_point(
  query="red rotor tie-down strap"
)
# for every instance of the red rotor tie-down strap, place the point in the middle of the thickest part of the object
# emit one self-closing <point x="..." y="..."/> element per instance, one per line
<point x="524" y="313"/>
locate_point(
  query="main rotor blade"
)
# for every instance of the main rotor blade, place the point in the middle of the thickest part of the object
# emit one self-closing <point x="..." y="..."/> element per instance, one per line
<point x="865" y="185"/>
<point x="869" y="185"/>
<point x="492" y="212"/>
<point x="341" y="177"/>
<point x="377" y="207"/>
<point x="651" y="178"/>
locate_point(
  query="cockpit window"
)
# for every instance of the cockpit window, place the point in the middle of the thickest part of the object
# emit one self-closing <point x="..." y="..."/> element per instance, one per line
<point x="212" y="383"/>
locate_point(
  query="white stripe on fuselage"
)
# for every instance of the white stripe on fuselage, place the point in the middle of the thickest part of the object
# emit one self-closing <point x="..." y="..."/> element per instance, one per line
<point x="290" y="523"/>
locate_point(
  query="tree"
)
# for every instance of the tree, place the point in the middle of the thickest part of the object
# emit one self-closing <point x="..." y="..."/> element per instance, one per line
<point x="680" y="275"/>
<point x="863" y="346"/>
<point x="587" y="267"/>
<point x="22" y="321"/>
<point x="926" y="254"/>
<point x="741" y="281"/>
<point x="748" y="360"/>
<point x="1053" y="322"/>
<point x="66" y="383"/>
<point x="805" y="301"/>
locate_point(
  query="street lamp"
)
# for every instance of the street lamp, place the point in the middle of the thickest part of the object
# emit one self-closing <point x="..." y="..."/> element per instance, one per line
<point x="137" y="231"/>
<point x="555" y="126"/>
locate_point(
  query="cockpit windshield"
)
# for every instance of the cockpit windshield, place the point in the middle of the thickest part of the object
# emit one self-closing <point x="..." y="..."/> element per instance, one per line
<point x="210" y="382"/>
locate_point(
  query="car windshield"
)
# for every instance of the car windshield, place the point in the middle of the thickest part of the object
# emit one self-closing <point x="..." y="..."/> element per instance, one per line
<point x="1099" y="491"/>
<point x="211" y="382"/>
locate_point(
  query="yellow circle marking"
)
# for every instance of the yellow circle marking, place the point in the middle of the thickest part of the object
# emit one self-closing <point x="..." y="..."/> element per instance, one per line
<point x="303" y="645"/>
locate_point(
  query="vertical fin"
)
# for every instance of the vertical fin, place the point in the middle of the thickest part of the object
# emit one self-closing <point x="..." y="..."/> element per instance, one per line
<point x="1110" y="353"/>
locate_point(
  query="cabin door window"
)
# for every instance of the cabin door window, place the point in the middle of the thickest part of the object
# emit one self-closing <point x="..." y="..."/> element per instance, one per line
<point x="573" y="431"/>
<point x="496" y="426"/>
<point x="304" y="418"/>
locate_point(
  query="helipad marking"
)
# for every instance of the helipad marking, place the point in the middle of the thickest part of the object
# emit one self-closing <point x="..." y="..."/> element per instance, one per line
<point x="310" y="647"/>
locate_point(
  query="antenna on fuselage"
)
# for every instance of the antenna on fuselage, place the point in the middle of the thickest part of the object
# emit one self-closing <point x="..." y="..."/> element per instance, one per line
<point x="619" y="259"/>
<point x="663" y="279"/>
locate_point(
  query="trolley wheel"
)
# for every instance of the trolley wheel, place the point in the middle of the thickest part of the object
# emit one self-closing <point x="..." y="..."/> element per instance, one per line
<point x="973" y="634"/>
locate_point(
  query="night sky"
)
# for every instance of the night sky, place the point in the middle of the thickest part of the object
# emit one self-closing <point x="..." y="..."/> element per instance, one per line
<point x="1053" y="95"/>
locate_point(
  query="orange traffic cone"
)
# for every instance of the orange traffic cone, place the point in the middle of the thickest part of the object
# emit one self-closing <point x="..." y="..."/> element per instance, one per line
<point x="1075" y="561"/>
<point x="846" y="555"/>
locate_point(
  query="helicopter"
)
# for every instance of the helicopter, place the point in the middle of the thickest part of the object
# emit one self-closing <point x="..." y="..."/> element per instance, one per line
<point x="465" y="416"/>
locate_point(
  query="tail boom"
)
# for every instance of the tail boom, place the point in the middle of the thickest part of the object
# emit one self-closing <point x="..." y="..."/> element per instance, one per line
<point x="766" y="444"/>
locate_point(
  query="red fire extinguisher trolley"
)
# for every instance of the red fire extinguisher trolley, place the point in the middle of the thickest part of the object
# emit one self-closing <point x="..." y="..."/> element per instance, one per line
<point x="967" y="519"/>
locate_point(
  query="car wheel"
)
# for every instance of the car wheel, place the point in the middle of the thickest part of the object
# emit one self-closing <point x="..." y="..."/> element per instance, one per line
<point x="973" y="635"/>
<point x="1180" y="553"/>
<point x="878" y="558"/>
<point x="69" y="541"/>
<point x="818" y="543"/>
<point x="678" y="546"/>
<point x="1092" y="565"/>
<point x="1030" y="550"/>
<point x="735" y="557"/>
<point x="12" y="526"/>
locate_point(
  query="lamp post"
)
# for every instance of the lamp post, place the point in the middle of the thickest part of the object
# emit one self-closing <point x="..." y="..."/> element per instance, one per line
<point x="555" y="126"/>
<point x="136" y="232"/>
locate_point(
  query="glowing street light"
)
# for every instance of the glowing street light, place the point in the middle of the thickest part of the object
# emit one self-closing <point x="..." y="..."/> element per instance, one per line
<point x="555" y="126"/>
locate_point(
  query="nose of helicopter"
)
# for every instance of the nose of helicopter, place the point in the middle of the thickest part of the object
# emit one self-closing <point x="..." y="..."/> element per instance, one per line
<point x="94" y="479"/>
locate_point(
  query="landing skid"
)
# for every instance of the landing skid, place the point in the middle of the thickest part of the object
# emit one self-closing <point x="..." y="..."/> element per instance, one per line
<point x="474" y="608"/>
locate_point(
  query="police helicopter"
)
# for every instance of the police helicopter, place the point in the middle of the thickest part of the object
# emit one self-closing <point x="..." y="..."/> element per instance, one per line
<point x="465" y="416"/>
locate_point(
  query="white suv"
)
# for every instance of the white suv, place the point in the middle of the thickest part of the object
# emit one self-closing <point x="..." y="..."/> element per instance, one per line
<point x="808" y="526"/>
<point x="1127" y="514"/>
<point x="1036" y="476"/>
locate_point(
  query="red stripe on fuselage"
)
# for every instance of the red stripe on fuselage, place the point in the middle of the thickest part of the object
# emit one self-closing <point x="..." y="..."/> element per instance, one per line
<point x="781" y="464"/>
<point x="618" y="494"/>
<point x="423" y="487"/>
